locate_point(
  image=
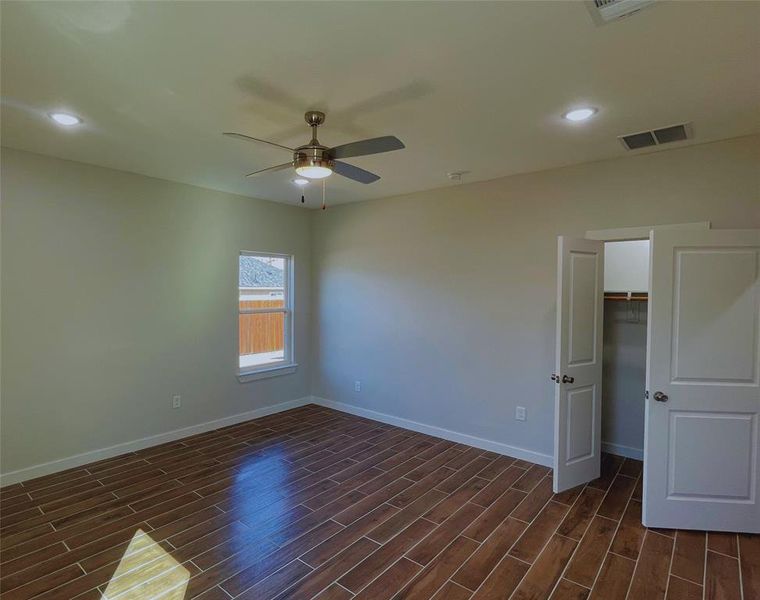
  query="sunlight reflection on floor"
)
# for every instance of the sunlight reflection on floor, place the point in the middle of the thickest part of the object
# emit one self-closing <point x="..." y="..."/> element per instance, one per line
<point x="147" y="571"/>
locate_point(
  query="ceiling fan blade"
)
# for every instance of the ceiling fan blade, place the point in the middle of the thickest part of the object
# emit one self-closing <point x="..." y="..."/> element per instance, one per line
<point x="354" y="173"/>
<point x="364" y="147"/>
<point x="248" y="138"/>
<point x="271" y="169"/>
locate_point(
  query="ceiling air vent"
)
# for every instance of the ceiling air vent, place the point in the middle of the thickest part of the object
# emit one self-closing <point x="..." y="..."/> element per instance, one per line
<point x="676" y="133"/>
<point x="604" y="11"/>
<point x="656" y="137"/>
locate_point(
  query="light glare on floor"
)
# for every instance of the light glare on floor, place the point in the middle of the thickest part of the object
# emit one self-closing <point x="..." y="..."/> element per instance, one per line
<point x="146" y="570"/>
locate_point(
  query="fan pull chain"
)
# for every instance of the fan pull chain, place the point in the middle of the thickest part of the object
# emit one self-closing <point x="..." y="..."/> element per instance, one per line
<point x="324" y="206"/>
<point x="303" y="200"/>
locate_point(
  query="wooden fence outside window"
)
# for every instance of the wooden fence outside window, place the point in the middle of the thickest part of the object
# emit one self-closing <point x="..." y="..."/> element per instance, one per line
<point x="261" y="332"/>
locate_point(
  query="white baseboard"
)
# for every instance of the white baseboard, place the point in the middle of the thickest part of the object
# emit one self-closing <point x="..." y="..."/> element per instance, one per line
<point x="146" y="442"/>
<point x="447" y="434"/>
<point x="95" y="455"/>
<point x="627" y="451"/>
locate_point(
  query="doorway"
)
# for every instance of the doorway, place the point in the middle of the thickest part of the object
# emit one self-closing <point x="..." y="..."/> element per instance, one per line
<point x="624" y="347"/>
<point x="699" y="340"/>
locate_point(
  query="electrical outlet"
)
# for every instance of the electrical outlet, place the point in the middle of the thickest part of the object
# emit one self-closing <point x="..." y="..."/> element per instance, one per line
<point x="520" y="413"/>
<point x="357" y="386"/>
<point x="176" y="401"/>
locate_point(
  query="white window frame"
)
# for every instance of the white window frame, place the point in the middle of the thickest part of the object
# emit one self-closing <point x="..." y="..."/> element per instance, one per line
<point x="288" y="364"/>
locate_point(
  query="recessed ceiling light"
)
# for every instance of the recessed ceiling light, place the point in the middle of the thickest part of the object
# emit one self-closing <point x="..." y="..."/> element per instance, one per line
<point x="580" y="114"/>
<point x="65" y="119"/>
<point x="300" y="181"/>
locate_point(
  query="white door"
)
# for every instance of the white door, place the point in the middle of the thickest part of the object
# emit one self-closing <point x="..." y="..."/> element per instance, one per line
<point x="578" y="373"/>
<point x="703" y="381"/>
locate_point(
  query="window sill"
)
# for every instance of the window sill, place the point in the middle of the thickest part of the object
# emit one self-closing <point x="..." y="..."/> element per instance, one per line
<point x="267" y="372"/>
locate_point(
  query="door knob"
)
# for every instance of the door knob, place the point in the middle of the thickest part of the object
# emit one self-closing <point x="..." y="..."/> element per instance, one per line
<point x="566" y="379"/>
<point x="660" y="397"/>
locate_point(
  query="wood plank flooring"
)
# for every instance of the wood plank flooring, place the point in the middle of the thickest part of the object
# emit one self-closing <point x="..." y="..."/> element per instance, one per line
<point x="314" y="503"/>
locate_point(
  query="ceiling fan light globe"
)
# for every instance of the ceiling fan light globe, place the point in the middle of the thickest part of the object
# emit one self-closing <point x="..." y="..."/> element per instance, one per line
<point x="313" y="171"/>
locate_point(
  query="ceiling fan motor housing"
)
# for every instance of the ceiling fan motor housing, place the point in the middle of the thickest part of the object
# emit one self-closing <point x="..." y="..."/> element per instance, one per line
<point x="312" y="156"/>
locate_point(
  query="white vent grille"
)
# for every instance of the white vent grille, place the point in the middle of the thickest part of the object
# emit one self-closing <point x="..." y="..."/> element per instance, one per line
<point x="656" y="137"/>
<point x="604" y="11"/>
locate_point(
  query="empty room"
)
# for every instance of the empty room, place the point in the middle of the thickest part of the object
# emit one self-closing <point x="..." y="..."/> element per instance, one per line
<point x="380" y="300"/>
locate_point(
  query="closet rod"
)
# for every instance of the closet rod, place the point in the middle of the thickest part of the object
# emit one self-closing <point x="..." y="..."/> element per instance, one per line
<point x="626" y="297"/>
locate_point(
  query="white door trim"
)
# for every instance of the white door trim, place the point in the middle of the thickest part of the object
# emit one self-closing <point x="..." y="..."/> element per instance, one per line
<point x="621" y="234"/>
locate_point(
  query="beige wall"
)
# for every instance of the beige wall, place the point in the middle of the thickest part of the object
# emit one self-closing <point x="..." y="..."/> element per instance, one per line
<point x="443" y="302"/>
<point x="118" y="291"/>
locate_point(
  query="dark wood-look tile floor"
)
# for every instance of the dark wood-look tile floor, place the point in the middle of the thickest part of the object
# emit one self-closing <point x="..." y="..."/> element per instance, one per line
<point x="314" y="503"/>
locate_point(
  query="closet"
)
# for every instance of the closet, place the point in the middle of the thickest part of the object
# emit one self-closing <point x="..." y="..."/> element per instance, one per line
<point x="626" y="287"/>
<point x="679" y="314"/>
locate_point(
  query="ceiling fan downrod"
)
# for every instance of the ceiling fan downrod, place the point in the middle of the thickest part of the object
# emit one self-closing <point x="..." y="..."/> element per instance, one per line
<point x="314" y="119"/>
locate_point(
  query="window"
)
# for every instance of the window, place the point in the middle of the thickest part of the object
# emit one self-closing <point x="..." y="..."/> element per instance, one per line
<point x="265" y="320"/>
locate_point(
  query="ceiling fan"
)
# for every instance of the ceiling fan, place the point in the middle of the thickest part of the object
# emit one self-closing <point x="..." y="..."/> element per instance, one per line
<point x="315" y="161"/>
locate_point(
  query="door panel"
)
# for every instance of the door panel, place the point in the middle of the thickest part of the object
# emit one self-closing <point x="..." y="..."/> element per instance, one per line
<point x="580" y="292"/>
<point x="693" y="468"/>
<point x="582" y="312"/>
<point x="580" y="423"/>
<point x="701" y="442"/>
<point x="711" y="310"/>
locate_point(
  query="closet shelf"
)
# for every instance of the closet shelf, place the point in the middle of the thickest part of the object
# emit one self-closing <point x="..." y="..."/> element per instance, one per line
<point x="631" y="297"/>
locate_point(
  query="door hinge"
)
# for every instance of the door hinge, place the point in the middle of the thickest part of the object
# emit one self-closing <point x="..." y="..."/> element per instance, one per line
<point x="646" y="394"/>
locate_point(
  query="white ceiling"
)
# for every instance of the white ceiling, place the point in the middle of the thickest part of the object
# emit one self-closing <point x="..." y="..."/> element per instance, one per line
<point x="477" y="87"/>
